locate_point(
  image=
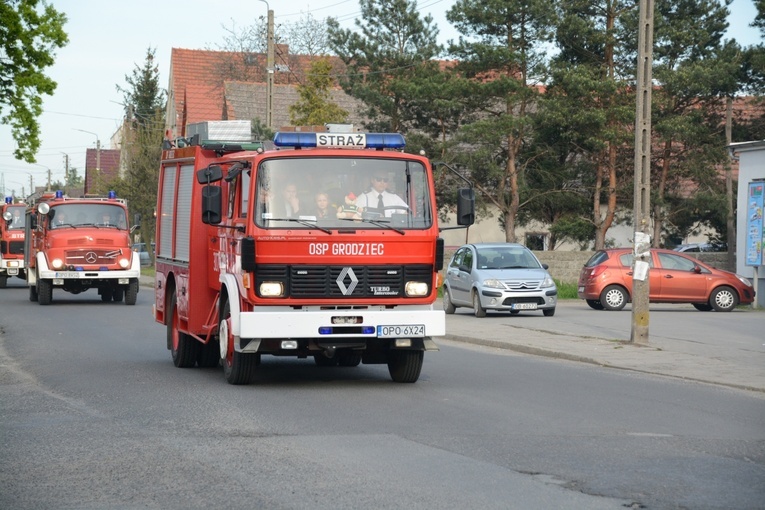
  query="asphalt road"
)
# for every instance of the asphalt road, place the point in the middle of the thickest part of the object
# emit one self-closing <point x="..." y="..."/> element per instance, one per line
<point x="94" y="415"/>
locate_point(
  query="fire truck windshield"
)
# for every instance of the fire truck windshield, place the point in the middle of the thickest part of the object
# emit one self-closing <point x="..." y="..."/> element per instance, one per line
<point x="17" y="220"/>
<point x="97" y="215"/>
<point x="335" y="192"/>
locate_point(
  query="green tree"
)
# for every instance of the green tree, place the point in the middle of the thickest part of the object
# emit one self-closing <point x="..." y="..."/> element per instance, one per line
<point x="589" y="99"/>
<point x="500" y="55"/>
<point x="30" y="33"/>
<point x="392" y="43"/>
<point x="143" y="132"/>
<point x="315" y="106"/>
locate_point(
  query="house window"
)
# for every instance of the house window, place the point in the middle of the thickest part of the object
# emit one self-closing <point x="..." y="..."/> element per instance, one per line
<point x="536" y="241"/>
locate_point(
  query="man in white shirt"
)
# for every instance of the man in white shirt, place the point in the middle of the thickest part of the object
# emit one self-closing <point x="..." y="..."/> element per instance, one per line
<point x="380" y="200"/>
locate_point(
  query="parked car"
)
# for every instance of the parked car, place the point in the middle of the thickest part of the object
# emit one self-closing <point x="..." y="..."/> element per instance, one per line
<point x="143" y="253"/>
<point x="701" y="247"/>
<point x="605" y="281"/>
<point x="502" y="277"/>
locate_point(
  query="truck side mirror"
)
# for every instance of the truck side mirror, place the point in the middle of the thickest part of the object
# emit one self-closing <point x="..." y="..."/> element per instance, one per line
<point x="137" y="219"/>
<point x="212" y="173"/>
<point x="465" y="206"/>
<point x="211" y="205"/>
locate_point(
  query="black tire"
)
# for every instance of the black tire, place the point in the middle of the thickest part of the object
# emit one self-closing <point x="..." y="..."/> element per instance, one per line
<point x="322" y="361"/>
<point x="514" y="312"/>
<point x="478" y="310"/>
<point x="349" y="358"/>
<point x="131" y="293"/>
<point x="118" y="294"/>
<point x="449" y="307"/>
<point x="405" y="366"/>
<point x="44" y="292"/>
<point x="33" y="293"/>
<point x="614" y="298"/>
<point x="723" y="299"/>
<point x="3" y="281"/>
<point x="702" y="307"/>
<point x="238" y="367"/>
<point x="183" y="348"/>
<point x="595" y="304"/>
<point x="549" y="312"/>
<point x="209" y="355"/>
<point x="106" y="295"/>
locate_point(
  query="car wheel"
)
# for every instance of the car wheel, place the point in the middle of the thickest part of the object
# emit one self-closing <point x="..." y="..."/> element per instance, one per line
<point x="595" y="304"/>
<point x="183" y="348"/>
<point x="348" y="359"/>
<point x="405" y="366"/>
<point x="702" y="307"/>
<point x="613" y="298"/>
<point x="449" y="307"/>
<point x="723" y="299"/>
<point x="478" y="310"/>
<point x="549" y="312"/>
<point x="44" y="292"/>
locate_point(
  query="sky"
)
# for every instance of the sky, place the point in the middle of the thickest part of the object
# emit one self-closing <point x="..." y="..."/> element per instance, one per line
<point x="108" y="39"/>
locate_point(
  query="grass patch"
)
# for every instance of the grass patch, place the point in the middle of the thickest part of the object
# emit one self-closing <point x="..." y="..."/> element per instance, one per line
<point x="566" y="290"/>
<point x="148" y="271"/>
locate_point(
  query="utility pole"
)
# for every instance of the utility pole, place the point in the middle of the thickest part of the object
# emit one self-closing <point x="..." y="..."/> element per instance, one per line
<point x="270" y="68"/>
<point x="642" y="191"/>
<point x="730" y="220"/>
<point x="66" y="174"/>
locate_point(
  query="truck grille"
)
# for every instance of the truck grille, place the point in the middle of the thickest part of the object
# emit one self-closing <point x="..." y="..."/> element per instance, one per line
<point x="91" y="257"/>
<point x="344" y="281"/>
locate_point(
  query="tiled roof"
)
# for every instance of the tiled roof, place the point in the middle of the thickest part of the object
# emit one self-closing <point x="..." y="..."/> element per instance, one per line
<point x="247" y="101"/>
<point x="203" y="102"/>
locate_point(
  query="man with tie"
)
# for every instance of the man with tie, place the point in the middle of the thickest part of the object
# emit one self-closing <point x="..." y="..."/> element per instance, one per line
<point x="378" y="199"/>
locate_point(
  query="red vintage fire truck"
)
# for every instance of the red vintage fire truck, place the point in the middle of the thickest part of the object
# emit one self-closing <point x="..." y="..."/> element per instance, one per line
<point x="11" y="240"/>
<point x="248" y="264"/>
<point x="76" y="244"/>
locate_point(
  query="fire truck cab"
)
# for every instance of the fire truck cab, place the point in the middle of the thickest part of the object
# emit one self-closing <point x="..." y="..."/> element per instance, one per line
<point x="11" y="240"/>
<point x="76" y="244"/>
<point x="250" y="263"/>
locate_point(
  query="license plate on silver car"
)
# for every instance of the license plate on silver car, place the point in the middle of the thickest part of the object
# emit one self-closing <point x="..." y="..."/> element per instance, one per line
<point x="524" y="306"/>
<point x="402" y="331"/>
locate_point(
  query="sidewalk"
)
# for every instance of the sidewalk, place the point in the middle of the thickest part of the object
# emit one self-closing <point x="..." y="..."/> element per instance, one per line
<point x="740" y="365"/>
<point x="733" y="362"/>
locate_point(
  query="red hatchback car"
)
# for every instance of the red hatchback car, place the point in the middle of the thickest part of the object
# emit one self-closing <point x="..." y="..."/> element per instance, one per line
<point x="606" y="281"/>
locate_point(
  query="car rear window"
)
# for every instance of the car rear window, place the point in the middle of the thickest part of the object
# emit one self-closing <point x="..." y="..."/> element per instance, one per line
<point x="598" y="258"/>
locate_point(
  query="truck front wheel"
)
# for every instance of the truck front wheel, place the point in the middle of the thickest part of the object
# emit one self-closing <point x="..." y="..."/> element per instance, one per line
<point x="183" y="348"/>
<point x="131" y="294"/>
<point x="405" y="366"/>
<point x="33" y="293"/>
<point x="238" y="367"/>
<point x="44" y="291"/>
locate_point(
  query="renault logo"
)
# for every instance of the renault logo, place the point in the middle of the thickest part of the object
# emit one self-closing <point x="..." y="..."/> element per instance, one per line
<point x="91" y="257"/>
<point x="347" y="272"/>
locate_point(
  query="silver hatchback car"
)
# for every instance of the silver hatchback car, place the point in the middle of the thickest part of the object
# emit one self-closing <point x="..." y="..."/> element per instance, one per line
<point x="498" y="276"/>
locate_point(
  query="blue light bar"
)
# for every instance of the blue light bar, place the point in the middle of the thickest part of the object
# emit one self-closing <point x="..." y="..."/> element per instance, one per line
<point x="112" y="195"/>
<point x="59" y="194"/>
<point x="8" y="200"/>
<point x="301" y="140"/>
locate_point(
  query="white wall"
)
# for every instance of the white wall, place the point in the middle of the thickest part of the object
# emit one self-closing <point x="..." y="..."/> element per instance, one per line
<point x="751" y="166"/>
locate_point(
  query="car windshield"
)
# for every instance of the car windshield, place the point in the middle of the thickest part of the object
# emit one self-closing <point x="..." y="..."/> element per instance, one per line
<point x="342" y="192"/>
<point x="18" y="219"/>
<point x="506" y="258"/>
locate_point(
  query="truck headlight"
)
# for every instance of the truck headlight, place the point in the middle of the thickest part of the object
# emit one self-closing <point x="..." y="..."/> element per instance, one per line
<point x="124" y="263"/>
<point x="272" y="289"/>
<point x="416" y="289"/>
<point x="57" y="263"/>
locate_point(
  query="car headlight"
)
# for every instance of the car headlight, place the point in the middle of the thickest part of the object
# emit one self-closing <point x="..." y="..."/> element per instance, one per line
<point x="416" y="289"/>
<point x="272" y="289"/>
<point x="548" y="282"/>
<point x="124" y="263"/>
<point x="57" y="263"/>
<point x="744" y="280"/>
<point x="493" y="284"/>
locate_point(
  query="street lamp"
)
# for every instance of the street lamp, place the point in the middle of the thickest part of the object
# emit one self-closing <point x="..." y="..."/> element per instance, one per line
<point x="98" y="156"/>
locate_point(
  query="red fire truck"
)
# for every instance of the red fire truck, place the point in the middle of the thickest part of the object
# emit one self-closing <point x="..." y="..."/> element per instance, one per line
<point x="11" y="240"/>
<point x="239" y="274"/>
<point x="76" y="244"/>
